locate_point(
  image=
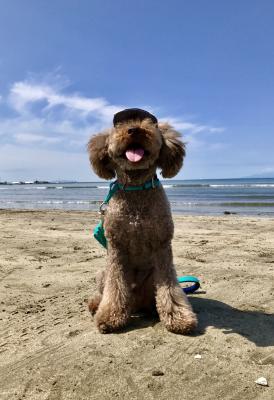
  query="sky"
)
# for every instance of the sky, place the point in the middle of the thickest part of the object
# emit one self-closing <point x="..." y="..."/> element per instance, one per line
<point x="66" y="66"/>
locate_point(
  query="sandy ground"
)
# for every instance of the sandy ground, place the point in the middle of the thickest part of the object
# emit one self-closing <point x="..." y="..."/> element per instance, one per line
<point x="50" y="348"/>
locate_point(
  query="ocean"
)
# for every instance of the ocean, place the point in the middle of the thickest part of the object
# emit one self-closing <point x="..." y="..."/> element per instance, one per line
<point x="199" y="197"/>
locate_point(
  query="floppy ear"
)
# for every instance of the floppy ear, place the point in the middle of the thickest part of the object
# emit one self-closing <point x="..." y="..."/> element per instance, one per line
<point x="98" y="155"/>
<point x="172" y="151"/>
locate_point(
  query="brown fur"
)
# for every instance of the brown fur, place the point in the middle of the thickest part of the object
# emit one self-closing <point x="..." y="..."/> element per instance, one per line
<point x="139" y="229"/>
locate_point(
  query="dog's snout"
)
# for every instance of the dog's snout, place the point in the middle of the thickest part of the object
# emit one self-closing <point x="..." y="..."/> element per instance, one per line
<point x="132" y="131"/>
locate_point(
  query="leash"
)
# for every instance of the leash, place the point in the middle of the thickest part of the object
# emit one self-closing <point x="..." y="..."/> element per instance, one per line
<point x="189" y="279"/>
<point x="99" y="232"/>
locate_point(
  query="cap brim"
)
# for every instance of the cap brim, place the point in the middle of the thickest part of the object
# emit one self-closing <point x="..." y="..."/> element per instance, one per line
<point x="133" y="114"/>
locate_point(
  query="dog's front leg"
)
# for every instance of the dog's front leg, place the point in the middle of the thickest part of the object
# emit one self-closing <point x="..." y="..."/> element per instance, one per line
<point x="114" y="309"/>
<point x="172" y="305"/>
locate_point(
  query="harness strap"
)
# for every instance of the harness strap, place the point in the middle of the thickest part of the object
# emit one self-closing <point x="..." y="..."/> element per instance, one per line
<point x="99" y="232"/>
<point x="115" y="186"/>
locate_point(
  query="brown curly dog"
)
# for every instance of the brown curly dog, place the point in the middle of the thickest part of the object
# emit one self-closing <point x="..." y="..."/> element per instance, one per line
<point x="138" y="224"/>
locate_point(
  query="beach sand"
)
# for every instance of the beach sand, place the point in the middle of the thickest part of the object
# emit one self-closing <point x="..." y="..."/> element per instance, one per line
<point x="51" y="349"/>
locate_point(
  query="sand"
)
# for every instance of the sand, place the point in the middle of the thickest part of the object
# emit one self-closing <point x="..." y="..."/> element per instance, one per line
<point x="51" y="349"/>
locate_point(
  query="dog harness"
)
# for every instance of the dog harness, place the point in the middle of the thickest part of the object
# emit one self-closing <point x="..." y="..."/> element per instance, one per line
<point x="99" y="232"/>
<point x="114" y="187"/>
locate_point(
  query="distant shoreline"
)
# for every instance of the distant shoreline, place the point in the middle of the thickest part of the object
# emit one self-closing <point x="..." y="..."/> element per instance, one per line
<point x="56" y="182"/>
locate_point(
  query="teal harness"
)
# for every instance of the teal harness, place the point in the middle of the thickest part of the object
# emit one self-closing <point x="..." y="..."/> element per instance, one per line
<point x="114" y="187"/>
<point x="99" y="232"/>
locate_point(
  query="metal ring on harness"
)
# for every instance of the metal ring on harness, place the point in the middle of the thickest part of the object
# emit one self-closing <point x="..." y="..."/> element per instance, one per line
<point x="101" y="210"/>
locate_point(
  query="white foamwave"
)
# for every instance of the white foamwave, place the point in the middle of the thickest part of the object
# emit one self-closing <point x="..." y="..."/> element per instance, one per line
<point x="78" y="202"/>
<point x="50" y="202"/>
<point x="242" y="185"/>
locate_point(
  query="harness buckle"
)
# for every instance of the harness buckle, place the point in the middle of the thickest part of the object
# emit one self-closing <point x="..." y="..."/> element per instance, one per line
<point x="101" y="209"/>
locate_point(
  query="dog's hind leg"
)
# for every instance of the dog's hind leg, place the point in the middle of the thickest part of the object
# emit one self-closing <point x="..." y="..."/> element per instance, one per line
<point x="94" y="302"/>
<point x="172" y="305"/>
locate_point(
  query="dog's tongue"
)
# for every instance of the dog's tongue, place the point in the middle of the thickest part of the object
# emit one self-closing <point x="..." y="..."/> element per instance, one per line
<point x="135" y="155"/>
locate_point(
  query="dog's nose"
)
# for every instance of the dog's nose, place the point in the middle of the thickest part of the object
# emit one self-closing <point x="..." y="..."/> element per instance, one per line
<point x="132" y="131"/>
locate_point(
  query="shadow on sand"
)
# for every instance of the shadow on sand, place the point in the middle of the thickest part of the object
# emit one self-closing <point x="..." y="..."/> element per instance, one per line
<point x="255" y="326"/>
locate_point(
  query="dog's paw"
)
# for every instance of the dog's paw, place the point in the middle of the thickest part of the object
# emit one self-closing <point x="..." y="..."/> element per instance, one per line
<point x="110" y="322"/>
<point x="104" y="327"/>
<point x="182" y="321"/>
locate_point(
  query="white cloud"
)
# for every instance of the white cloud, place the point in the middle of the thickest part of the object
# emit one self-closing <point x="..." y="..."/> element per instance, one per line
<point x="47" y="119"/>
<point x="23" y="94"/>
<point x="192" y="127"/>
<point x="48" y="116"/>
<point x="267" y="169"/>
<point x="31" y="138"/>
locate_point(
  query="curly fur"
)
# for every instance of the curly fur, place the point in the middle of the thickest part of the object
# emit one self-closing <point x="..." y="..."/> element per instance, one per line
<point x="138" y="225"/>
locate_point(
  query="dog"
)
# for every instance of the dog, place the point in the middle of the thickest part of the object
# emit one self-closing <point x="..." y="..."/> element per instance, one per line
<point x="140" y="275"/>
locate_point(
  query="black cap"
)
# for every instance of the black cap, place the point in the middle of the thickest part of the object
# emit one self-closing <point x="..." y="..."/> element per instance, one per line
<point x="132" y="114"/>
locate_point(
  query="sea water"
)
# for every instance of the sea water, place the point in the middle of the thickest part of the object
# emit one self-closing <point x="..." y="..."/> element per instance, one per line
<point x="204" y="197"/>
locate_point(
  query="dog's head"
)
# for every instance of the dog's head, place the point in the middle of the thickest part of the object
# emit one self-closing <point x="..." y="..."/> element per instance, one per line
<point x="136" y="143"/>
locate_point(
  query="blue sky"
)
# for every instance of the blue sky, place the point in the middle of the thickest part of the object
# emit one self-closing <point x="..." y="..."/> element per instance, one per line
<point x="66" y="66"/>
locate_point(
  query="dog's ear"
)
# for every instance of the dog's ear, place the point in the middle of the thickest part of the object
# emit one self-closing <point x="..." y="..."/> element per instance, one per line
<point x="172" y="151"/>
<point x="98" y="155"/>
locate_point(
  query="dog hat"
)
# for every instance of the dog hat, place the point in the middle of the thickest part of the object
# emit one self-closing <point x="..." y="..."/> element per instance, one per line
<point x="132" y="114"/>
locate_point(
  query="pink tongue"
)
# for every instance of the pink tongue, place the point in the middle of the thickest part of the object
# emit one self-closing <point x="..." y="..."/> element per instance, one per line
<point x="134" y="155"/>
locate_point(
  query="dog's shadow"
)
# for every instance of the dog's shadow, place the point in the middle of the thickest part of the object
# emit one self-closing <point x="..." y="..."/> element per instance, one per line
<point x="255" y="326"/>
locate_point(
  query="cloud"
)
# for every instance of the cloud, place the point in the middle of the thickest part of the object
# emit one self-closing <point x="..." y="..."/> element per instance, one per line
<point x="267" y="169"/>
<point x="24" y="94"/>
<point x="43" y="114"/>
<point x="31" y="138"/>
<point x="192" y="128"/>
<point x="195" y="134"/>
<point x="46" y="115"/>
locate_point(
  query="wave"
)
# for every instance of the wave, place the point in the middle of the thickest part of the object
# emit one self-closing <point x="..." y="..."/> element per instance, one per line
<point x="252" y="196"/>
<point x="51" y="202"/>
<point x="246" y="204"/>
<point x="222" y="204"/>
<point x="245" y="185"/>
<point x="80" y="187"/>
<point x="69" y="202"/>
<point x="190" y="185"/>
<point x="236" y="185"/>
<point x="56" y="187"/>
<point x="165" y="185"/>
